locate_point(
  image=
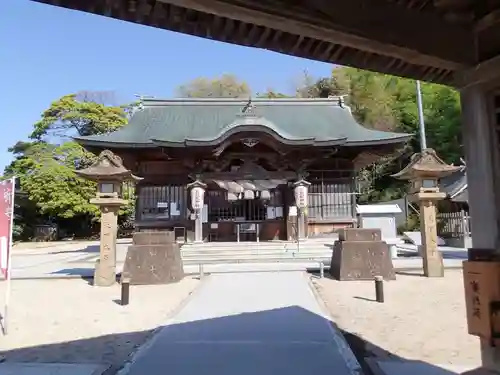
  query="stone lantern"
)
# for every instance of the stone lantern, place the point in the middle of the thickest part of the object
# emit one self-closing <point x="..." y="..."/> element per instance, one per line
<point x="300" y="189"/>
<point x="110" y="174"/>
<point x="197" y="190"/>
<point x="424" y="171"/>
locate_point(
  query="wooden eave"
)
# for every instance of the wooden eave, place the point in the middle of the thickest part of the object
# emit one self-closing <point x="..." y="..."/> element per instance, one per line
<point x="421" y="39"/>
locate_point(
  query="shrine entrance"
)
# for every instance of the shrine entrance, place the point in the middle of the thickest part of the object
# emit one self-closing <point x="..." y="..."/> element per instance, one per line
<point x="248" y="218"/>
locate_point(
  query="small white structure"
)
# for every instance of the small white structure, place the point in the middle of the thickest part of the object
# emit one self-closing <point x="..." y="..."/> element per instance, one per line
<point x="383" y="217"/>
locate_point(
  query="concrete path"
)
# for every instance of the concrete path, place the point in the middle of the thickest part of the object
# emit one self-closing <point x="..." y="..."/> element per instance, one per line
<point x="247" y="324"/>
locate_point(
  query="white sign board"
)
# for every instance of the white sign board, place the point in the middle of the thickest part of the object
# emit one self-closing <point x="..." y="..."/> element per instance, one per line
<point x="271" y="212"/>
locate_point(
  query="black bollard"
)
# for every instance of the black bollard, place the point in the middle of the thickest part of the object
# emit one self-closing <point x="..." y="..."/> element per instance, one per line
<point x="379" y="289"/>
<point x="125" y="297"/>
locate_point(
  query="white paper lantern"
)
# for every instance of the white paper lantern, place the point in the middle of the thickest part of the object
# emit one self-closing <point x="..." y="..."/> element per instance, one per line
<point x="197" y="195"/>
<point x="265" y="195"/>
<point x="301" y="190"/>
<point x="248" y="194"/>
<point x="231" y="197"/>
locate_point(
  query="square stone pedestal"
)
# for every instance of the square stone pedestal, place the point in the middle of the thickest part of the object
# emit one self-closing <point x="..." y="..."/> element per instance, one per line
<point x="154" y="258"/>
<point x="360" y="255"/>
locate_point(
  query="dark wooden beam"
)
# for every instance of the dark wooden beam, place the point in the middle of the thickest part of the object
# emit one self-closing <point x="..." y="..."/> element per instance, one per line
<point x="485" y="72"/>
<point x="376" y="27"/>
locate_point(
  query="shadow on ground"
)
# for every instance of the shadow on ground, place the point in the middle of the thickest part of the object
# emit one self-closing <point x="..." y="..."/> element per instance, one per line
<point x="89" y="249"/>
<point x="77" y="271"/>
<point x="264" y="343"/>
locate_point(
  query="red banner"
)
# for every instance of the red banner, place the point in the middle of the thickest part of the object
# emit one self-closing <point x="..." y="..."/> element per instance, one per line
<point x="6" y="218"/>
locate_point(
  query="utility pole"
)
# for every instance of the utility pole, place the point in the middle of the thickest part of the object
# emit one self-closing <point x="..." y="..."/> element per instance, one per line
<point x="423" y="141"/>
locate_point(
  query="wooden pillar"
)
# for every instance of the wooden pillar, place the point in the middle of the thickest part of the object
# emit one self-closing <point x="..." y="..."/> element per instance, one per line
<point x="481" y="154"/>
<point x="483" y="175"/>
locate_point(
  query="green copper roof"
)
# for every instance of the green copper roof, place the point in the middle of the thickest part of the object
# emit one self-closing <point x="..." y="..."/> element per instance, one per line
<point x="191" y="122"/>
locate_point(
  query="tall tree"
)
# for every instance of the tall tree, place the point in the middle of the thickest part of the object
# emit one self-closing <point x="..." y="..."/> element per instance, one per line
<point x="46" y="165"/>
<point x="271" y="94"/>
<point x="46" y="175"/>
<point x="369" y="94"/>
<point x="69" y="116"/>
<point x="226" y="86"/>
<point x="385" y="102"/>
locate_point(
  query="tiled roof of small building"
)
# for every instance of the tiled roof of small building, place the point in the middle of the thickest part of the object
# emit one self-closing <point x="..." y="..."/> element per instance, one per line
<point x="455" y="185"/>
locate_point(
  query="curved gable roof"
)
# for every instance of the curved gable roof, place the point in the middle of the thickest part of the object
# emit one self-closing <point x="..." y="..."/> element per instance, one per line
<point x="188" y="122"/>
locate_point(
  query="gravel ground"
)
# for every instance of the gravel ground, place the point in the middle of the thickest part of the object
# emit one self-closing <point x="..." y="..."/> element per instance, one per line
<point x="70" y="321"/>
<point x="422" y="319"/>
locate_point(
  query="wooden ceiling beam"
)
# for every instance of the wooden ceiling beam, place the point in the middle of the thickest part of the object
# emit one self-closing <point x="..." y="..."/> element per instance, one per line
<point x="487" y="71"/>
<point x="407" y="37"/>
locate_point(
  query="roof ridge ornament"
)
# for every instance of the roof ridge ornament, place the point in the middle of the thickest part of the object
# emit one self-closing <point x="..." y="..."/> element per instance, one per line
<point x="140" y="105"/>
<point x="249" y="109"/>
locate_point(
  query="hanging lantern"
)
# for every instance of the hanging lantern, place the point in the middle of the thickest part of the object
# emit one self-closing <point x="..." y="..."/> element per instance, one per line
<point x="300" y="190"/>
<point x="197" y="189"/>
<point x="265" y="195"/>
<point x="248" y="194"/>
<point x="231" y="197"/>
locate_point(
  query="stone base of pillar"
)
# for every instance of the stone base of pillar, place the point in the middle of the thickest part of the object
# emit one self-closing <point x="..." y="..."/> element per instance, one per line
<point x="104" y="276"/>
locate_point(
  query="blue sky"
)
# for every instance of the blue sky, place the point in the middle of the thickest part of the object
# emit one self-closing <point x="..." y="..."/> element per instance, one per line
<point x="47" y="52"/>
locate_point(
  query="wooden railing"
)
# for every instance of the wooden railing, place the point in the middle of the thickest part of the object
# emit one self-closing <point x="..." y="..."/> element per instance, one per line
<point x="454" y="224"/>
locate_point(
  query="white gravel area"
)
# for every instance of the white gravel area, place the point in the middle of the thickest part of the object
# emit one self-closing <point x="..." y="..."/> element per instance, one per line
<point x="422" y="318"/>
<point x="70" y="321"/>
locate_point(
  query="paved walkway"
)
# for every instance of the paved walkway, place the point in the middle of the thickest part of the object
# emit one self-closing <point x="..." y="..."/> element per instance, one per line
<point x="259" y="323"/>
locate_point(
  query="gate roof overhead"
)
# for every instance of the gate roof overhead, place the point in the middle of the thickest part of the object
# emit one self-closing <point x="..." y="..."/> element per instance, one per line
<point x="422" y="39"/>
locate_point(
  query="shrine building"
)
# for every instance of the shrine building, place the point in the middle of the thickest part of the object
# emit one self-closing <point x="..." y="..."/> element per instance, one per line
<point x="259" y="169"/>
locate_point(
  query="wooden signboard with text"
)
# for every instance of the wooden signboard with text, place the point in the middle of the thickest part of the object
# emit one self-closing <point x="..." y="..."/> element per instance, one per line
<point x="482" y="293"/>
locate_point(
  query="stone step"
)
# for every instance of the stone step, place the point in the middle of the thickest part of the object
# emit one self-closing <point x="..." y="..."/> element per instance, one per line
<point x="238" y="244"/>
<point x="256" y="254"/>
<point x="257" y="259"/>
<point x="253" y="245"/>
<point x="256" y="250"/>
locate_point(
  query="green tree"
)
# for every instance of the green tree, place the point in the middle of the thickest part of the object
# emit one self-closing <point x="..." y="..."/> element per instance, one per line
<point x="442" y="116"/>
<point x="45" y="166"/>
<point x="226" y="86"/>
<point x="69" y="116"/>
<point x="369" y="94"/>
<point x="385" y="102"/>
<point x="46" y="175"/>
<point x="271" y="94"/>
